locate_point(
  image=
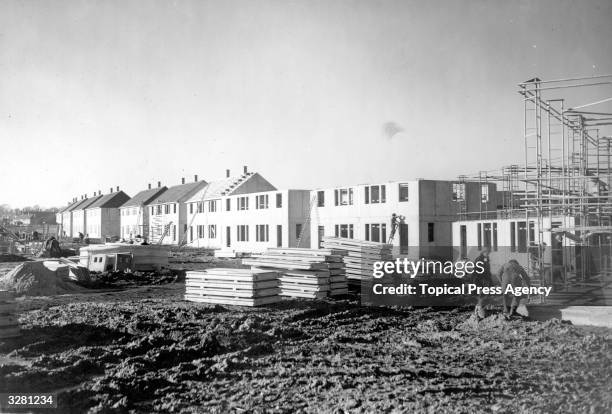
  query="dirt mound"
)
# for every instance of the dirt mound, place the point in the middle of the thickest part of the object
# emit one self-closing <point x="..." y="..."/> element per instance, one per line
<point x="38" y="279"/>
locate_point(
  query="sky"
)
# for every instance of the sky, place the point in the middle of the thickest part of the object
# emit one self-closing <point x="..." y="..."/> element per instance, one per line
<point x="99" y="94"/>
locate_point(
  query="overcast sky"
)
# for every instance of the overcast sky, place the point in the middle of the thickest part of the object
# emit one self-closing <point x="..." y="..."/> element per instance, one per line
<point x="96" y="94"/>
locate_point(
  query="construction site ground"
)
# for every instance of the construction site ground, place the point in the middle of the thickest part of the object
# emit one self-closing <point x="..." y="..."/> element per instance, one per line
<point x="143" y="349"/>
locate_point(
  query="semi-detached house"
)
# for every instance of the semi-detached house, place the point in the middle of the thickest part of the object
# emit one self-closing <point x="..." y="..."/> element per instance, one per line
<point x="247" y="214"/>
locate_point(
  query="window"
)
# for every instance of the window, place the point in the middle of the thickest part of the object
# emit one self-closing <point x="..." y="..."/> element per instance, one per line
<point x="279" y="200"/>
<point x="242" y="232"/>
<point x="228" y="204"/>
<point x="484" y="193"/>
<point x="494" y="237"/>
<point x="375" y="194"/>
<point x="190" y="208"/>
<point x="200" y="207"/>
<point x="174" y="232"/>
<point x="512" y="236"/>
<point x="261" y="232"/>
<point x="522" y="236"/>
<point x="200" y="231"/>
<point x="343" y="197"/>
<point x="261" y="202"/>
<point x="376" y="232"/>
<point x="212" y="206"/>
<point x="403" y="192"/>
<point x="174" y="208"/>
<point x="344" y="230"/>
<point x="212" y="231"/>
<point x="166" y="208"/>
<point x="320" y="198"/>
<point x="458" y="191"/>
<point x="159" y="209"/>
<point x="430" y="232"/>
<point x="479" y="228"/>
<point x="190" y="233"/>
<point x="487" y="235"/>
<point x="243" y="203"/>
<point x="298" y="230"/>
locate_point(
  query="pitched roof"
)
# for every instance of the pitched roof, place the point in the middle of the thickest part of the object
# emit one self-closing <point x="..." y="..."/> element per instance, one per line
<point x="144" y="197"/>
<point x="79" y="205"/>
<point x="110" y="200"/>
<point x="178" y="193"/>
<point x="228" y="186"/>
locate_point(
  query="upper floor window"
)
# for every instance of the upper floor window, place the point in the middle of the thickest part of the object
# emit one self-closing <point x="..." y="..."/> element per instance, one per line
<point x="228" y="204"/>
<point x="458" y="191"/>
<point x="320" y="198"/>
<point x="375" y="194"/>
<point x="484" y="193"/>
<point x="343" y="197"/>
<point x="261" y="201"/>
<point x="166" y="208"/>
<point x="403" y="192"/>
<point x="212" y="206"/>
<point x="243" y="203"/>
<point x="279" y="200"/>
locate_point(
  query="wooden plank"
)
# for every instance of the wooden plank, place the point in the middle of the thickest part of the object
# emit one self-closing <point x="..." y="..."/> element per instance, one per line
<point x="233" y="293"/>
<point x="314" y="295"/>
<point x="233" y="285"/>
<point x="236" y="301"/>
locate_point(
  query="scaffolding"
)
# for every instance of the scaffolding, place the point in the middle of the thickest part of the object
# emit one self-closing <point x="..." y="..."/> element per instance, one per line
<point x="566" y="173"/>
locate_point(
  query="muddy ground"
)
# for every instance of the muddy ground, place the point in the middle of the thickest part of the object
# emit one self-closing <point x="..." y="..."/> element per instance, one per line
<point x="144" y="350"/>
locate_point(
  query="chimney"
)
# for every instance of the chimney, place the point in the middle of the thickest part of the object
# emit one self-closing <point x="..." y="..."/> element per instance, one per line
<point x="111" y="190"/>
<point x="94" y="194"/>
<point x="195" y="178"/>
<point x="245" y="169"/>
<point x="183" y="180"/>
<point x="99" y="192"/>
<point x="227" y="173"/>
<point x="117" y="188"/>
<point x="149" y="186"/>
<point x="158" y="184"/>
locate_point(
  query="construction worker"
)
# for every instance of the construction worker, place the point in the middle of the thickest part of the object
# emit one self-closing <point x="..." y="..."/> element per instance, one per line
<point x="483" y="279"/>
<point x="512" y="273"/>
<point x="52" y="247"/>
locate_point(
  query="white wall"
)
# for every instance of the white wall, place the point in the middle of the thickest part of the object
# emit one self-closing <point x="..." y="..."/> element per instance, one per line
<point x="291" y="212"/>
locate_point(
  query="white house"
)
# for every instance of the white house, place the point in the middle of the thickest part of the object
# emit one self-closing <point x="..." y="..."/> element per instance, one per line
<point x="247" y="214"/>
<point x="168" y="212"/>
<point x="135" y="213"/>
<point x="425" y="211"/>
<point x="102" y="217"/>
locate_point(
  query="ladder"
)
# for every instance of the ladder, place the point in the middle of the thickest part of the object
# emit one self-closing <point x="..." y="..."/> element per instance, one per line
<point x="313" y="202"/>
<point x="166" y="230"/>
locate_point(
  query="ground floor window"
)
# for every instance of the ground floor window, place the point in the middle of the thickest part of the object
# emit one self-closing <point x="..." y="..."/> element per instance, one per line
<point x="242" y="233"/>
<point x="376" y="232"/>
<point x="344" y="230"/>
<point x="262" y="232"/>
<point x="212" y="231"/>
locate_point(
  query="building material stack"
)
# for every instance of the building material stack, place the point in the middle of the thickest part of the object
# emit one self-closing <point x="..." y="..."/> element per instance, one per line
<point x="305" y="273"/>
<point x="9" y="325"/>
<point x="359" y="256"/>
<point x="229" y="286"/>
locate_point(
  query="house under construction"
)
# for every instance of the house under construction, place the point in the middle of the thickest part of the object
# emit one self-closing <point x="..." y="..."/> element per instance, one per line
<point x="556" y="209"/>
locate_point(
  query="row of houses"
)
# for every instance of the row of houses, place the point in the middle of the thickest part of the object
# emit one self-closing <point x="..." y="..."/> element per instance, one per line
<point x="246" y="213"/>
